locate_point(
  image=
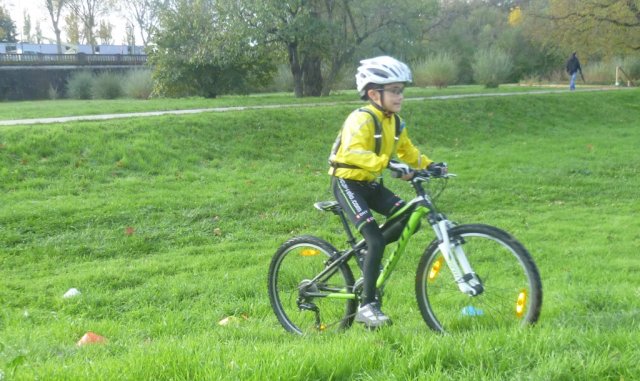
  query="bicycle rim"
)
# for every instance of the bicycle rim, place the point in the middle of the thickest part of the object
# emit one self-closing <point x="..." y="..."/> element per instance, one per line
<point x="512" y="294"/>
<point x="295" y="263"/>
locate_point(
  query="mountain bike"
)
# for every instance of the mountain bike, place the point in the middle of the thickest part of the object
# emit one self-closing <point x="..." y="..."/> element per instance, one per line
<point x="471" y="276"/>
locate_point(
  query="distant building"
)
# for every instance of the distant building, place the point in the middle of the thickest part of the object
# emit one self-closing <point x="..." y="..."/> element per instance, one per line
<point x="28" y="48"/>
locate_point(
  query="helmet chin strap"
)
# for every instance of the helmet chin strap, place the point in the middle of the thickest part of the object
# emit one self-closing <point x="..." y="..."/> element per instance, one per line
<point x="379" y="106"/>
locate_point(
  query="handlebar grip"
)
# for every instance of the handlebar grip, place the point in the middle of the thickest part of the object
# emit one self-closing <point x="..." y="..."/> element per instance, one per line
<point x="432" y="174"/>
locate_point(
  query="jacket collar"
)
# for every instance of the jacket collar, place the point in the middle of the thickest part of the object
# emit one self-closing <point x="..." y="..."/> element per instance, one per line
<point x="379" y="111"/>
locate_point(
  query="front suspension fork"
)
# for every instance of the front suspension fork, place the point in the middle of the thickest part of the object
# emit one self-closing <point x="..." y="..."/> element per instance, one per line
<point x="467" y="280"/>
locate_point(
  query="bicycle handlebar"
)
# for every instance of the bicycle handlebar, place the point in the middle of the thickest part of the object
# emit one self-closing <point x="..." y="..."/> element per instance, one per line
<point x="422" y="175"/>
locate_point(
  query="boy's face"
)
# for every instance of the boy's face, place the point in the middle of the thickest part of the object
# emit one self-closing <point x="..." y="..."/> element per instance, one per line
<point x="393" y="96"/>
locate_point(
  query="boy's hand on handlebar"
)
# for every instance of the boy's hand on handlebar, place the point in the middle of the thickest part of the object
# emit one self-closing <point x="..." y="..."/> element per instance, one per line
<point x="438" y="169"/>
<point x="400" y="170"/>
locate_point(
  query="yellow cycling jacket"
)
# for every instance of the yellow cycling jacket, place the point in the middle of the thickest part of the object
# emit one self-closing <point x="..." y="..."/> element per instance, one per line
<point x="357" y="147"/>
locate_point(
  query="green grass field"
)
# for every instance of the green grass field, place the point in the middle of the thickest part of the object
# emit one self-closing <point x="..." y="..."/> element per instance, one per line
<point x="167" y="226"/>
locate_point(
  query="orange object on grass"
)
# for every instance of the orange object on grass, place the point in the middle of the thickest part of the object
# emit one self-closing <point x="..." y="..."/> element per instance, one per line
<point x="91" y="338"/>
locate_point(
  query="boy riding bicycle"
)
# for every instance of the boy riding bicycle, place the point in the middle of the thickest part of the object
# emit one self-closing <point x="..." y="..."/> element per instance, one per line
<point x="370" y="136"/>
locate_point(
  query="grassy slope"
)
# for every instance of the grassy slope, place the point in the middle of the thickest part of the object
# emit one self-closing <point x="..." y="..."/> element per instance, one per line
<point x="209" y="198"/>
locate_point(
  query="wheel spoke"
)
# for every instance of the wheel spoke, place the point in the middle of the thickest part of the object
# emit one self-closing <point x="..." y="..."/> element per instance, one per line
<point x="291" y="289"/>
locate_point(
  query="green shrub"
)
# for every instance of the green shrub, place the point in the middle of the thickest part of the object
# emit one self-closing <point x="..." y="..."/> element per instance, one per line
<point x="138" y="84"/>
<point x="52" y="92"/>
<point x="558" y="76"/>
<point x="107" y="85"/>
<point x="491" y="67"/>
<point x="282" y="81"/>
<point x="80" y="85"/>
<point x="439" y="71"/>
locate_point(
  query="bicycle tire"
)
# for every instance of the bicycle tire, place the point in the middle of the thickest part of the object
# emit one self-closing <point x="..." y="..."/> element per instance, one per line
<point x="298" y="260"/>
<point x="512" y="295"/>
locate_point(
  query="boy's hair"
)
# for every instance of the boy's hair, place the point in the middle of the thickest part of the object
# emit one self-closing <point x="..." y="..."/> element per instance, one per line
<point x="365" y="91"/>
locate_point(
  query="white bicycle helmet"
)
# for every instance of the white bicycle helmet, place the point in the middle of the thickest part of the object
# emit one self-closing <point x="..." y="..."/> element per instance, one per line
<point x="381" y="70"/>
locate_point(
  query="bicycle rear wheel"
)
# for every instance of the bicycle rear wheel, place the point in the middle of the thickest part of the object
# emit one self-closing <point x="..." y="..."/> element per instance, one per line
<point x="512" y="293"/>
<point x="292" y="268"/>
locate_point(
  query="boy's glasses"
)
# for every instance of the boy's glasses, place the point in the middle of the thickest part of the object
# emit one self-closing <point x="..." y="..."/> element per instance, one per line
<point x="393" y="90"/>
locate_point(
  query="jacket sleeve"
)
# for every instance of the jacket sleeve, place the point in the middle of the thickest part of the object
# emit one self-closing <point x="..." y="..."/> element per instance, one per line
<point x="408" y="153"/>
<point x="358" y="144"/>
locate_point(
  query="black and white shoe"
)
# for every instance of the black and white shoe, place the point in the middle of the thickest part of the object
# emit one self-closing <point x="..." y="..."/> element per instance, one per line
<point x="371" y="316"/>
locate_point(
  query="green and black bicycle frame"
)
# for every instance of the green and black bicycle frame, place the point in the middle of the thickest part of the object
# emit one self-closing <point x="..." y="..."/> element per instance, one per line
<point x="407" y="220"/>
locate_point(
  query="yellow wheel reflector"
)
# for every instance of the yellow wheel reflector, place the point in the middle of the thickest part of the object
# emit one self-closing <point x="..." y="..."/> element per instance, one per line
<point x="520" y="304"/>
<point x="435" y="269"/>
<point x="309" y="252"/>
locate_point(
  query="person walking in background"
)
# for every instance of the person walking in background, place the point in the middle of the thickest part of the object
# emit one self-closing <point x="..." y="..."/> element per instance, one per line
<point x="573" y="67"/>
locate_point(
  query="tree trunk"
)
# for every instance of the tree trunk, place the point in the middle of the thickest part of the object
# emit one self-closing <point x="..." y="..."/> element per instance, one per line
<point x="312" y="75"/>
<point x="58" y="39"/>
<point x="296" y="70"/>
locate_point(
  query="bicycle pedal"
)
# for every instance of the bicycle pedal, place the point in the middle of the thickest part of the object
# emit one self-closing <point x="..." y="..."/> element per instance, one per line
<point x="308" y="307"/>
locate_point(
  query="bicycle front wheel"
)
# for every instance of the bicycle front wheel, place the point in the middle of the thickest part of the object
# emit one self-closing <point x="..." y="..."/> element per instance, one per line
<point x="512" y="291"/>
<point x="293" y="267"/>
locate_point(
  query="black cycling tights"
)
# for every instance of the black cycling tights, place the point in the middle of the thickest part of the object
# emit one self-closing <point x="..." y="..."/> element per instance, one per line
<point x="375" y="249"/>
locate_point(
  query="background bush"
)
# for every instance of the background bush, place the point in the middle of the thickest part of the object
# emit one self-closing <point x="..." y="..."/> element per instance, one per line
<point x="491" y="67"/>
<point x="282" y="81"/>
<point x="52" y="92"/>
<point x="107" y="85"/>
<point x="439" y="71"/>
<point x="346" y="79"/>
<point x="138" y="84"/>
<point x="600" y="73"/>
<point x="80" y="85"/>
<point x="631" y="66"/>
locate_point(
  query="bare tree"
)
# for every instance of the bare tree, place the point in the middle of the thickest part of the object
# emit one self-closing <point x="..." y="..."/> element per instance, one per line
<point x="38" y="37"/>
<point x="26" y="27"/>
<point x="88" y="12"/>
<point x="145" y="15"/>
<point x="131" y="37"/>
<point x="55" y="7"/>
